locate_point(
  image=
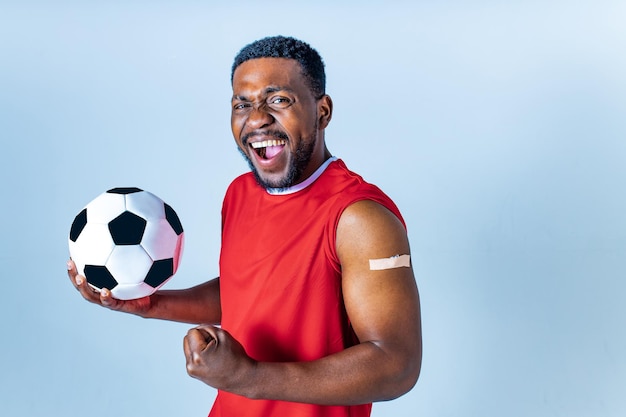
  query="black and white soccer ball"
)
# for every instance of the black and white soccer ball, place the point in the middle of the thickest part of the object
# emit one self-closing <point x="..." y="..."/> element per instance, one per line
<point x="128" y="241"/>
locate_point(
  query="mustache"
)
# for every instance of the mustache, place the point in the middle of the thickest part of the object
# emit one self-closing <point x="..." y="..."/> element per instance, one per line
<point x="277" y="134"/>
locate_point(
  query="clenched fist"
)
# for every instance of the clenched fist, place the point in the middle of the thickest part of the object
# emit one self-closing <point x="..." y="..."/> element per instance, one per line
<point x="214" y="357"/>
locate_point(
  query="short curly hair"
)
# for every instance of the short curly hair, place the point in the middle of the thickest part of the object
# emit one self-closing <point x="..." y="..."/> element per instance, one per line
<point x="287" y="47"/>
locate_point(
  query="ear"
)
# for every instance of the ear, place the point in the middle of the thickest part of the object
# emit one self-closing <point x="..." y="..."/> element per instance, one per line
<point x="324" y="111"/>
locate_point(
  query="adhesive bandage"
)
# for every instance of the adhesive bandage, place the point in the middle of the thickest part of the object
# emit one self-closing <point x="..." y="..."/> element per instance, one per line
<point x="397" y="261"/>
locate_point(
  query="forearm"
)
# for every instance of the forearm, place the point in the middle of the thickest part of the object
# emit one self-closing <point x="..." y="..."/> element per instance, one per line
<point x="196" y="305"/>
<point x="361" y="374"/>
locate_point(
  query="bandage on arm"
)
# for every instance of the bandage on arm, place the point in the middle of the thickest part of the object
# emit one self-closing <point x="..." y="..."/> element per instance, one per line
<point x="397" y="261"/>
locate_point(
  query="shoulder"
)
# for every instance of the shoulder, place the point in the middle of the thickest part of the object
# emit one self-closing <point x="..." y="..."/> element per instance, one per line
<point x="369" y="230"/>
<point x="365" y="217"/>
<point x="352" y="188"/>
<point x="369" y="217"/>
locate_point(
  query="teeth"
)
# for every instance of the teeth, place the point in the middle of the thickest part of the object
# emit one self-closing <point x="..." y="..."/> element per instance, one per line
<point x="266" y="143"/>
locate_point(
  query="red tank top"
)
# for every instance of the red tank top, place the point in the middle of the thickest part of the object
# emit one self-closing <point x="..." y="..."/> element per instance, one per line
<point x="280" y="279"/>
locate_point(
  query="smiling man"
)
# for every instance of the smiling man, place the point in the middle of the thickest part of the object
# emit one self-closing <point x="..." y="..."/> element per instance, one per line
<point x="278" y="120"/>
<point x="316" y="300"/>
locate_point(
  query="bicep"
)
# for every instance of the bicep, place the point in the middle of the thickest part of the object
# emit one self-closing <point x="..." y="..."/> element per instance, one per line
<point x="382" y="304"/>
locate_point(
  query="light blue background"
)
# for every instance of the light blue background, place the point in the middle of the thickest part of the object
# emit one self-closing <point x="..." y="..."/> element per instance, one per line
<point x="499" y="129"/>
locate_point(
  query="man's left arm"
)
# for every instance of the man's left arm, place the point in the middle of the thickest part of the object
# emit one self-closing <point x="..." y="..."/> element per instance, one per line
<point x="382" y="303"/>
<point x="381" y="299"/>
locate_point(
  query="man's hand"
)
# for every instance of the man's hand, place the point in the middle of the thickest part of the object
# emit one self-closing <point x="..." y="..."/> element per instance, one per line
<point x="217" y="359"/>
<point x="104" y="298"/>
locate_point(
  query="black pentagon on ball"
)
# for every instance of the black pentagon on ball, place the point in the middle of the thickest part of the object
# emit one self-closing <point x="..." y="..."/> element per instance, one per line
<point x="100" y="277"/>
<point x="173" y="220"/>
<point x="78" y="225"/>
<point x="159" y="272"/>
<point x="124" y="190"/>
<point x="127" y="229"/>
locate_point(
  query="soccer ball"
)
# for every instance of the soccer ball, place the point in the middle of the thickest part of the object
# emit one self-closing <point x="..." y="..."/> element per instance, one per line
<point x="128" y="241"/>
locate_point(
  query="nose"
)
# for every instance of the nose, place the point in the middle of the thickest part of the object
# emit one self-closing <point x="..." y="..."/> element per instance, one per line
<point x="259" y="117"/>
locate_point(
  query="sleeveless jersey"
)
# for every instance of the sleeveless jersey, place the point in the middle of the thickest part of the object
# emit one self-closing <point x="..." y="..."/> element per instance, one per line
<point x="280" y="280"/>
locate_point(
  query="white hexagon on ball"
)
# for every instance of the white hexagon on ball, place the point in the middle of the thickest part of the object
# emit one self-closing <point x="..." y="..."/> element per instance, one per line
<point x="128" y="241"/>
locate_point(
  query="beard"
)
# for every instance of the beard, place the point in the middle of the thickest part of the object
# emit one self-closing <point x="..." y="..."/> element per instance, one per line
<point x="297" y="164"/>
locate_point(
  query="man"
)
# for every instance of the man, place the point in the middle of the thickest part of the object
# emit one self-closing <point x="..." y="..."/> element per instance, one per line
<point x="316" y="298"/>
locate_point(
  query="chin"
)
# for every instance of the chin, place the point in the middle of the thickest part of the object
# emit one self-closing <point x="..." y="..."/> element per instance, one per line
<point x="288" y="176"/>
<point x="274" y="181"/>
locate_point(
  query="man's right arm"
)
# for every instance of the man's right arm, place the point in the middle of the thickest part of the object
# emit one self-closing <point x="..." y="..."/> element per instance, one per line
<point x="197" y="305"/>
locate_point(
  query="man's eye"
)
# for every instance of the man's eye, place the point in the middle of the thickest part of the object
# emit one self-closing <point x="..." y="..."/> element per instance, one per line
<point x="240" y="106"/>
<point x="279" y="101"/>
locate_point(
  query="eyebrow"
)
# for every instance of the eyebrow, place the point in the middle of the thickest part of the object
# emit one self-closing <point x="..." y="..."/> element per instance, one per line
<point x="268" y="90"/>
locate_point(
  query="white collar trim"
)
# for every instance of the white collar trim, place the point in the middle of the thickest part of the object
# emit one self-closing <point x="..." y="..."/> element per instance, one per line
<point x="301" y="186"/>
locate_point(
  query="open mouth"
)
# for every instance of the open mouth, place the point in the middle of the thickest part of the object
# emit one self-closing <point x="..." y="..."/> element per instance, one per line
<point x="268" y="149"/>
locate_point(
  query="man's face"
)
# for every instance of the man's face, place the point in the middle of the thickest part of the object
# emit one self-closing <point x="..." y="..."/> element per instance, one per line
<point x="274" y="121"/>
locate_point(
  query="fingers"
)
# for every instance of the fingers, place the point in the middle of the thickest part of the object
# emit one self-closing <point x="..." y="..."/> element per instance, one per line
<point x="199" y="346"/>
<point x="214" y="357"/>
<point x="208" y="332"/>
<point x="79" y="281"/>
<point x="72" y="272"/>
<point x="107" y="300"/>
<point x="103" y="297"/>
<point x="199" y="339"/>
